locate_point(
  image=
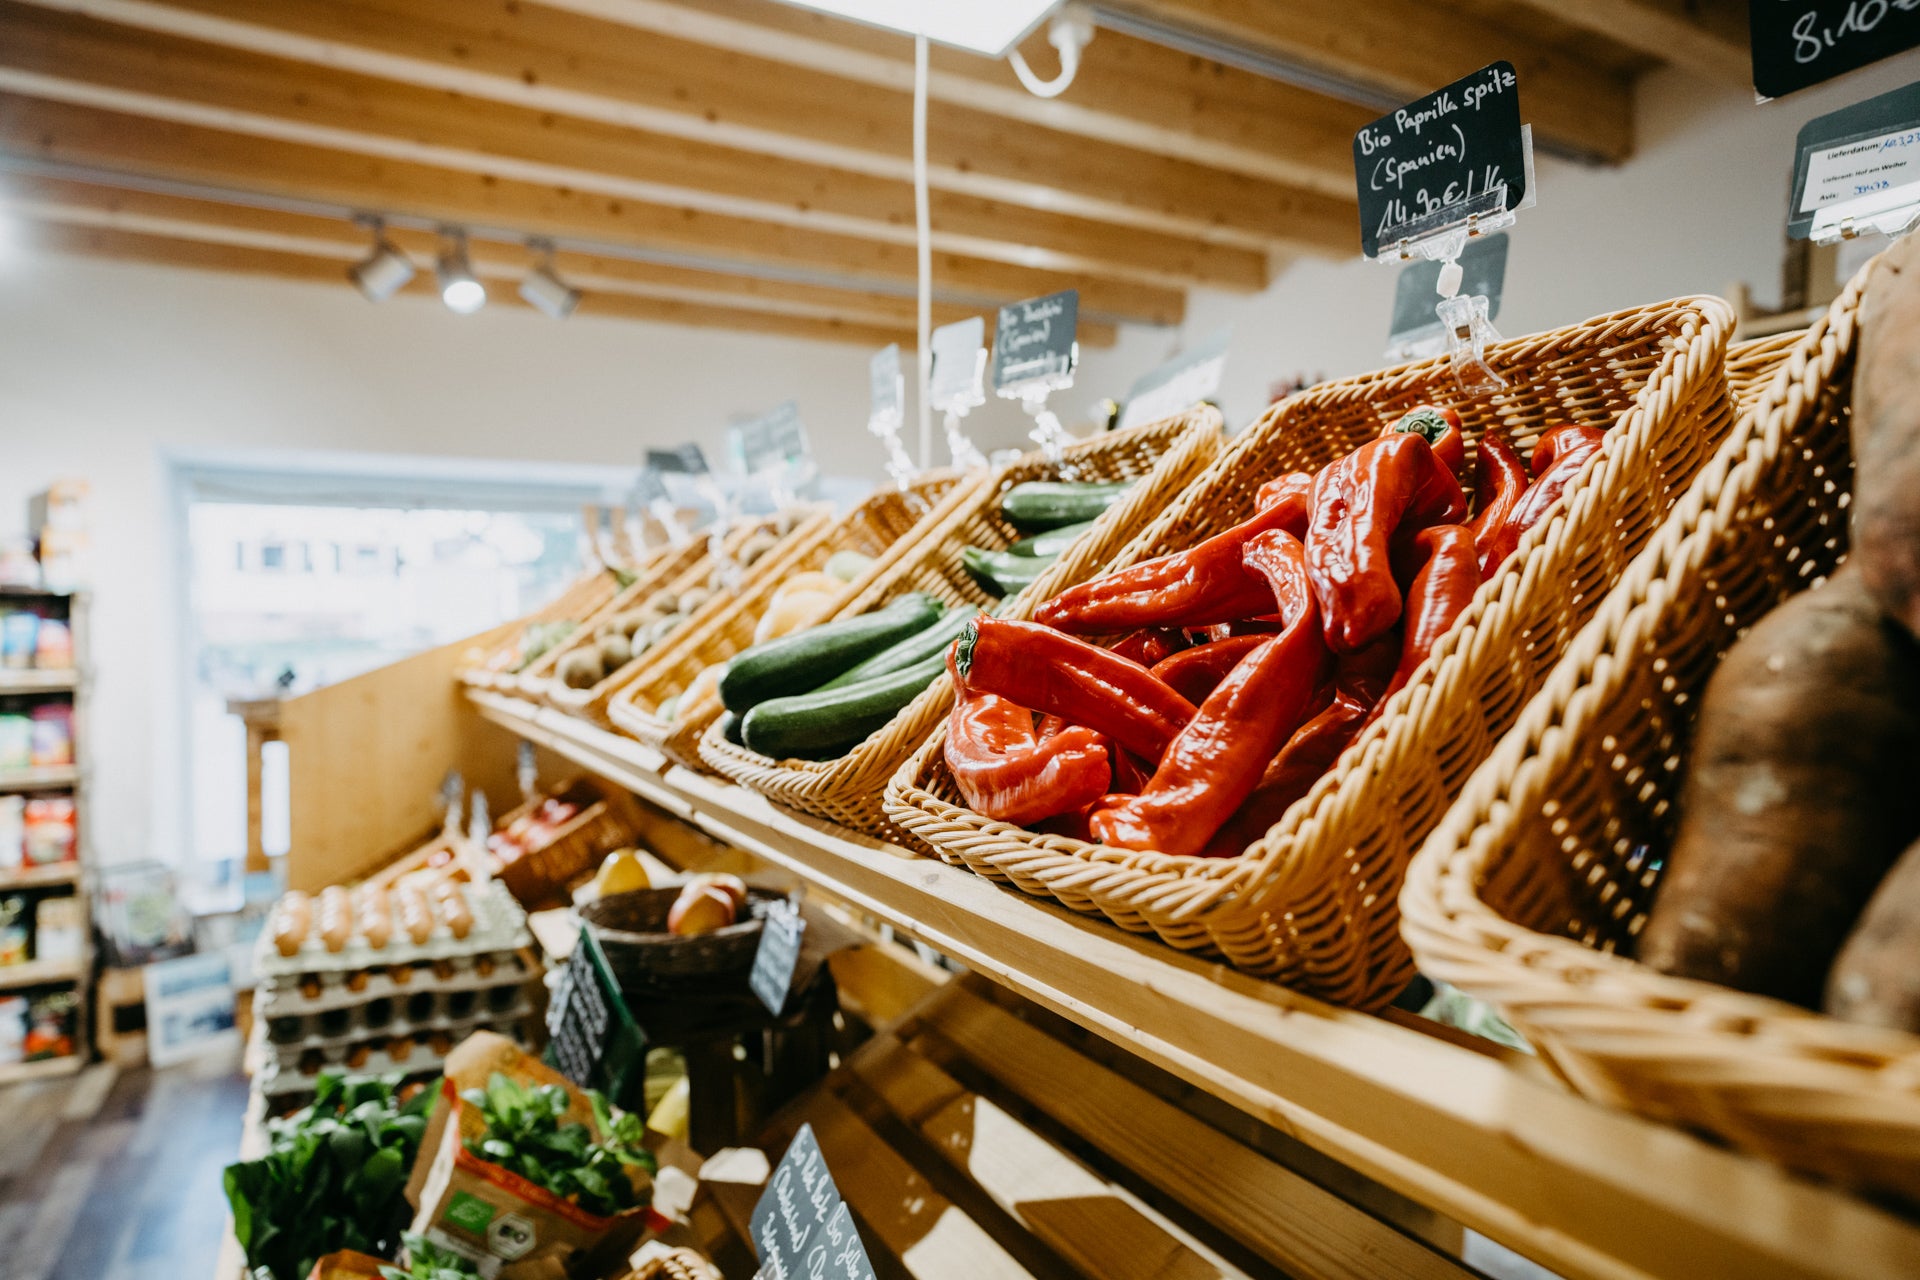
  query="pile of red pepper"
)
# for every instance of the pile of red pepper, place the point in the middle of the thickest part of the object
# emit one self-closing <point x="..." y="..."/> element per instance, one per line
<point x="1249" y="662"/>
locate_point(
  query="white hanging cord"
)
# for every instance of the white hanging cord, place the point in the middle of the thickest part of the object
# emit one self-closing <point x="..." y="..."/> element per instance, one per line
<point x="1070" y="31"/>
<point x="923" y="228"/>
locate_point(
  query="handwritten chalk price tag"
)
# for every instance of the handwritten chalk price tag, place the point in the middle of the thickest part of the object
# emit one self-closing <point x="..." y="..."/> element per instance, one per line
<point x="1459" y="150"/>
<point x="686" y="460"/>
<point x="777" y="957"/>
<point x="1797" y="43"/>
<point x="774" y="441"/>
<point x="1858" y="169"/>
<point x="802" y="1226"/>
<point x="1034" y="345"/>
<point x="1179" y="384"/>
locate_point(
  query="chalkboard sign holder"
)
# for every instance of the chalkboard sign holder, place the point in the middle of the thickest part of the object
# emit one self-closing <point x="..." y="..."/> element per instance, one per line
<point x="887" y="412"/>
<point x="957" y="385"/>
<point x="1857" y="170"/>
<point x="1415" y="331"/>
<point x="663" y="470"/>
<point x="1179" y="384"/>
<point x="1035" y="353"/>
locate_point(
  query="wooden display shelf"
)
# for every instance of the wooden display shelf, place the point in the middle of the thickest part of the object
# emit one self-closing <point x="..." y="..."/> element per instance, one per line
<point x="40" y="1068"/>
<point x="42" y="779"/>
<point x="38" y="681"/>
<point x="35" y="973"/>
<point x="1483" y="1135"/>
<point x="25" y="877"/>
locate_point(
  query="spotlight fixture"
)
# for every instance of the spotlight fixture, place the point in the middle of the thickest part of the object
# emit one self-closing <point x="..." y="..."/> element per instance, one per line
<point x="460" y="289"/>
<point x="991" y="27"/>
<point x="543" y="289"/>
<point x="384" y="272"/>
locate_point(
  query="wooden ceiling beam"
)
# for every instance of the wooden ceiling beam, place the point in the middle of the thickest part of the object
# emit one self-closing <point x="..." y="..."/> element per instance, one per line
<point x="1129" y="92"/>
<point x="140" y="146"/>
<point x="198" y="255"/>
<point x="82" y="204"/>
<point x="80" y="60"/>
<point x="549" y="60"/>
<point x="1406" y="48"/>
<point x="1709" y="41"/>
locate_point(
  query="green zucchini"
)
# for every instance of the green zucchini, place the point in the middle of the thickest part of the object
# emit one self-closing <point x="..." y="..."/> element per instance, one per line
<point x="1040" y="505"/>
<point x="830" y="722"/>
<point x="914" y="649"/>
<point x="1001" y="573"/>
<point x="730" y="728"/>
<point x="1050" y="543"/>
<point x="808" y="659"/>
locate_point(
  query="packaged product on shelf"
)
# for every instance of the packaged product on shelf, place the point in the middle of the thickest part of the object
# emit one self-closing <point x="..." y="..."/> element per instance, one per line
<point x="523" y="1172"/>
<point x="19" y="636"/>
<point x="13" y="1029"/>
<point x="50" y="736"/>
<point x="13" y="831"/>
<point x="14" y="937"/>
<point x="59" y="929"/>
<point x="50" y="833"/>
<point x="16" y="741"/>
<point x="53" y="647"/>
<point x="50" y="1026"/>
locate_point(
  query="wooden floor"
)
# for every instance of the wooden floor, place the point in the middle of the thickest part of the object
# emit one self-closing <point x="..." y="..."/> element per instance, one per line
<point x="115" y="1175"/>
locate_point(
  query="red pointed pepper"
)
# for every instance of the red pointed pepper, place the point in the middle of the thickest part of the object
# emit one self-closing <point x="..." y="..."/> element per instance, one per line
<point x="1217" y="760"/>
<point x="1557" y="461"/>
<point x="1441" y="428"/>
<point x="1006" y="772"/>
<point x="1291" y="493"/>
<point x="1038" y="667"/>
<point x="1195" y="588"/>
<point x="1498" y="484"/>
<point x="1388" y="484"/>
<point x="1195" y="673"/>
<point x="1445" y="572"/>
<point x="1151" y="645"/>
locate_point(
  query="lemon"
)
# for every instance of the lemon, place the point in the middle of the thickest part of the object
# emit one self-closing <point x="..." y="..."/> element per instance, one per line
<point x="620" y="873"/>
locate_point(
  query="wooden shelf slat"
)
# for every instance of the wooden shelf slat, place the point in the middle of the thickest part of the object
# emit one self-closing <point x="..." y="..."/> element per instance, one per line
<point x="40" y="1068"/>
<point x="38" y="681"/>
<point x="39" y="877"/>
<point x="36" y="973"/>
<point x="41" y="779"/>
<point x="1583" y="1189"/>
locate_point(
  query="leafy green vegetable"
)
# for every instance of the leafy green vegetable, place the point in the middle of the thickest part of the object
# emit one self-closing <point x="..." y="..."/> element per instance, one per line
<point x="526" y="1135"/>
<point x="332" y="1177"/>
<point x="428" y="1261"/>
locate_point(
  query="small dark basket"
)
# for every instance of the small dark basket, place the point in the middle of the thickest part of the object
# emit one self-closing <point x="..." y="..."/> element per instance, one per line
<point x="651" y="964"/>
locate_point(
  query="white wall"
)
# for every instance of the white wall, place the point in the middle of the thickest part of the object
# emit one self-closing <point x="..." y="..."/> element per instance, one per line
<point x="103" y="368"/>
<point x="1701" y="204"/>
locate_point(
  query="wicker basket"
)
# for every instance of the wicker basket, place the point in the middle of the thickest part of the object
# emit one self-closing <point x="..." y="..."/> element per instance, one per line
<point x="650" y="963"/>
<point x="802" y="523"/>
<point x="606" y="821"/>
<point x="585" y="596"/>
<point x="1312" y="903"/>
<point x="1534" y="879"/>
<point x="676" y="1264"/>
<point x="885" y="527"/>
<point x="661" y="567"/>
<point x="1163" y="456"/>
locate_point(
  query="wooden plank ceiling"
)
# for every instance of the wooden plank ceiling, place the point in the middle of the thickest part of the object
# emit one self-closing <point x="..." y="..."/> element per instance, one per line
<point x="745" y="164"/>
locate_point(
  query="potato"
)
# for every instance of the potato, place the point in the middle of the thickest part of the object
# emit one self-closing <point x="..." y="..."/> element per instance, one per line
<point x="632" y="620"/>
<point x="581" y="669"/>
<point x="1876" y="980"/>
<point x="693" y="599"/>
<point x="756" y="547"/>
<point x="1886" y="435"/>
<point x="662" y="602"/>
<point x="1799" y="795"/>
<point x="616" y="651"/>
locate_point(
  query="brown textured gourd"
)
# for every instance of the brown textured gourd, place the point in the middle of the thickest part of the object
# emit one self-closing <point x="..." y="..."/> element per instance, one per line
<point x="1876" y="980"/>
<point x="1799" y="796"/>
<point x="1886" y="435"/>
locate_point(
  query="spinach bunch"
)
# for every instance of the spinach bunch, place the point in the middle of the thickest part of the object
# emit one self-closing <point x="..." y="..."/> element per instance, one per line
<point x="526" y="1135"/>
<point x="428" y="1261"/>
<point x="333" y="1176"/>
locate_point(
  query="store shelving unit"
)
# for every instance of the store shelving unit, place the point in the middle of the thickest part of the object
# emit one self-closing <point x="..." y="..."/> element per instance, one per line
<point x="1484" y="1135"/>
<point x="71" y="683"/>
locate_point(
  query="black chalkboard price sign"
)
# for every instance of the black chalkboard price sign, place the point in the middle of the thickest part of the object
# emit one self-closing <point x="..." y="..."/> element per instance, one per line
<point x="777" y="957"/>
<point x="1033" y="342"/>
<point x="687" y="460"/>
<point x="801" y="1225"/>
<point x="1443" y="150"/>
<point x="1797" y="43"/>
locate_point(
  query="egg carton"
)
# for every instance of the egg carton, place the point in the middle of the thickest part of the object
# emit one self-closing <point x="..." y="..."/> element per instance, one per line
<point x="498" y="925"/>
<point x="289" y="996"/>
<point x="279" y="1081"/>
<point x="314" y="1034"/>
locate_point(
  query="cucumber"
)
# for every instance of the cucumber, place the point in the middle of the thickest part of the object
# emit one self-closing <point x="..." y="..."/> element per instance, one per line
<point x="930" y="643"/>
<point x="730" y="728"/>
<point x="1040" y="505"/>
<point x="808" y="659"/>
<point x="830" y="722"/>
<point x="1050" y="543"/>
<point x="1001" y="573"/>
